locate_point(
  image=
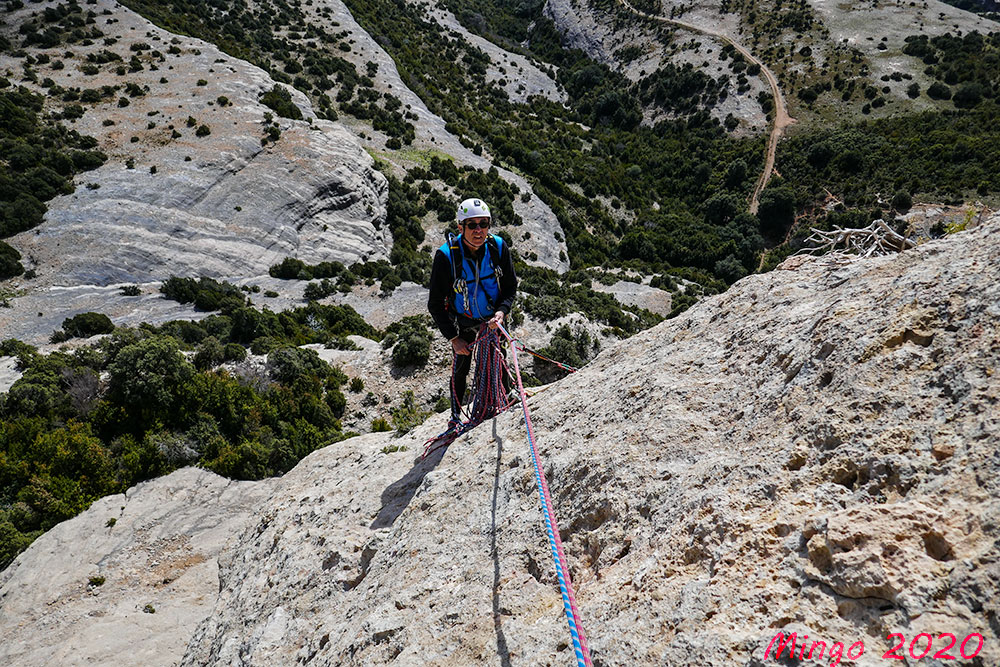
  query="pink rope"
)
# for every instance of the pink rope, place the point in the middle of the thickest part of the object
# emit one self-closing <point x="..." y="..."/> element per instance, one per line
<point x="552" y="528"/>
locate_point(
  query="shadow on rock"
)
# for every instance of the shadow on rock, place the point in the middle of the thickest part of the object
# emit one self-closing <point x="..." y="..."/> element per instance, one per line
<point x="502" y="649"/>
<point x="398" y="495"/>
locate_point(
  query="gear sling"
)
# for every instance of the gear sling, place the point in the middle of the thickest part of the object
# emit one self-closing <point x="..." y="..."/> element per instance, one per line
<point x="480" y="304"/>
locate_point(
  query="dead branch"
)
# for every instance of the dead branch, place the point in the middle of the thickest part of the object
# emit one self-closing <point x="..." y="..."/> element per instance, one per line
<point x="876" y="239"/>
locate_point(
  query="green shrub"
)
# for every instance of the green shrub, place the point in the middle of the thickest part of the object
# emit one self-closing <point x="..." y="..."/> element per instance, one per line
<point x="279" y="100"/>
<point x="408" y="415"/>
<point x="210" y="354"/>
<point x="410" y="339"/>
<point x="939" y="91"/>
<point x="357" y="385"/>
<point x="288" y="364"/>
<point x="290" y="269"/>
<point x="234" y="352"/>
<point x="380" y="425"/>
<point x="568" y="346"/>
<point x="205" y="293"/>
<point x="777" y="210"/>
<point x="316" y="291"/>
<point x="10" y="262"/>
<point x="149" y="375"/>
<point x="13" y="541"/>
<point x="12" y="347"/>
<point x="336" y="401"/>
<point x="902" y="201"/>
<point x="86" y="325"/>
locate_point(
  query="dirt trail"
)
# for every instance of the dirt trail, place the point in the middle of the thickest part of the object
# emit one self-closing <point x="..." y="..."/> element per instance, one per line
<point x="781" y="118"/>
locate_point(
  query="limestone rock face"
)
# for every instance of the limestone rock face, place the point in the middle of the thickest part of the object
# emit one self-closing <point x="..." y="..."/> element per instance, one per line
<point x="170" y="202"/>
<point x="604" y="33"/>
<point x="126" y="582"/>
<point x="814" y="451"/>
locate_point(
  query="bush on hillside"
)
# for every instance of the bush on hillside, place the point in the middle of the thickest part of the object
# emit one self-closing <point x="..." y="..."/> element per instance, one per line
<point x="410" y="340"/>
<point x="210" y="354"/>
<point x="85" y="325"/>
<point x="568" y="346"/>
<point x="288" y="364"/>
<point x="205" y="293"/>
<point x="280" y="101"/>
<point x="10" y="262"/>
<point x="149" y="376"/>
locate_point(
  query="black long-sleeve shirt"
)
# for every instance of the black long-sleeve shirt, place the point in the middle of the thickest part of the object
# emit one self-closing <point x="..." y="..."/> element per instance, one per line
<point x="440" y="303"/>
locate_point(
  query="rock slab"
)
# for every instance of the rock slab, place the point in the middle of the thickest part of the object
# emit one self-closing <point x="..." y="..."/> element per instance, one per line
<point x="129" y="580"/>
<point x="814" y="451"/>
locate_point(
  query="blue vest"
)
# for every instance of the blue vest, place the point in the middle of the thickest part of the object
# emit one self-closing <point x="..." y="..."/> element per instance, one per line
<point x="482" y="289"/>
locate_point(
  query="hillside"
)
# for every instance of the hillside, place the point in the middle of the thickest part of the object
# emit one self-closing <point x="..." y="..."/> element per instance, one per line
<point x="824" y="54"/>
<point x="812" y="451"/>
<point x="602" y="137"/>
<point x="216" y="229"/>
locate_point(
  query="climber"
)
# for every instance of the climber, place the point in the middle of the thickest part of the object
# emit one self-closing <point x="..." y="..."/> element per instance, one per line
<point x="472" y="282"/>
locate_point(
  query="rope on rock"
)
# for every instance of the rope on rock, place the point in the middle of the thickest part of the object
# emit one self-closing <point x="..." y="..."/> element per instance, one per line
<point x="521" y="346"/>
<point x="489" y="388"/>
<point x="489" y="400"/>
<point x="552" y="528"/>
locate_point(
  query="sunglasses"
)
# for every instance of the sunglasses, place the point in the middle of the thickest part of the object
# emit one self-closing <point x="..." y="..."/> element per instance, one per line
<point x="477" y="225"/>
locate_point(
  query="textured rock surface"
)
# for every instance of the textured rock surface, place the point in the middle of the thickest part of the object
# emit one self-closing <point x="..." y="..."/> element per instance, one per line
<point x="637" y="294"/>
<point x="160" y="551"/>
<point x="814" y="450"/>
<point x="220" y="205"/>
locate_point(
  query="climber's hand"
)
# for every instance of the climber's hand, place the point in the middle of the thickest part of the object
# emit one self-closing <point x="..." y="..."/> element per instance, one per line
<point x="460" y="346"/>
<point x="497" y="320"/>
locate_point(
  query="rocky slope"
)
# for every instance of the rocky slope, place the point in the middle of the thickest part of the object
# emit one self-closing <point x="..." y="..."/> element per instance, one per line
<point x="813" y="451"/>
<point x="169" y="202"/>
<point x="607" y="32"/>
<point x="837" y="32"/>
<point x="521" y="78"/>
<point x="127" y="582"/>
<point x="219" y="205"/>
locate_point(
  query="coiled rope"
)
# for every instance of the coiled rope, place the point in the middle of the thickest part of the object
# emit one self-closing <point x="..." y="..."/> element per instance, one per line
<point x="551" y="527"/>
<point x="489" y="400"/>
<point x="489" y="389"/>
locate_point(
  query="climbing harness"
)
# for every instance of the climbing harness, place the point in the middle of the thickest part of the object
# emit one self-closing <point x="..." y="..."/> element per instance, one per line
<point x="489" y="393"/>
<point x="551" y="527"/>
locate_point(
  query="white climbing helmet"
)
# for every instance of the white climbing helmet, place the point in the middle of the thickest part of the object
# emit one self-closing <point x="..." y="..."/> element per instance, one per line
<point x="473" y="208"/>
